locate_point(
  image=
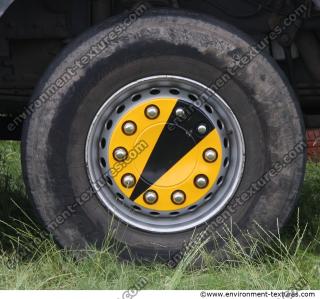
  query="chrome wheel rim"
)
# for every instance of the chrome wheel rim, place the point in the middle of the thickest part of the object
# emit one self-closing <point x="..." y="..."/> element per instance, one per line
<point x="144" y="91"/>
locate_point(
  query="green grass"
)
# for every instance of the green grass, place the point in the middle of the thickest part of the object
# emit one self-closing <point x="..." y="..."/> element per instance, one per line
<point x="285" y="263"/>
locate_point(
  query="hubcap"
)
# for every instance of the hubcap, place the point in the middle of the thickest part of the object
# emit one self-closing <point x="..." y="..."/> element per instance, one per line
<point x="171" y="159"/>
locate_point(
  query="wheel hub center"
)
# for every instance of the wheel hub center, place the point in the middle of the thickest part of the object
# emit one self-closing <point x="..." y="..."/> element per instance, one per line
<point x="161" y="165"/>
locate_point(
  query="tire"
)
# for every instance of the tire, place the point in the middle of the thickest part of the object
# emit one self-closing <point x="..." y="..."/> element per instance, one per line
<point x="172" y="43"/>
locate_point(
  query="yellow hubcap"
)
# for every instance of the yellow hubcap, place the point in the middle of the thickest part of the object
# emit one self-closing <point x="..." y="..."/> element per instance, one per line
<point x="181" y="152"/>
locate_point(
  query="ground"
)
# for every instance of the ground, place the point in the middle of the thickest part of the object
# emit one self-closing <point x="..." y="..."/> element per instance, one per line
<point x="290" y="261"/>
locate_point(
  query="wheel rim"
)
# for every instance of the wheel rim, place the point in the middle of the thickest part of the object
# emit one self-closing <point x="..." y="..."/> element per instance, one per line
<point x="165" y="154"/>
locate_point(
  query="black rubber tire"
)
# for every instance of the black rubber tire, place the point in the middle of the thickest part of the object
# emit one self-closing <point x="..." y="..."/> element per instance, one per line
<point x="159" y="42"/>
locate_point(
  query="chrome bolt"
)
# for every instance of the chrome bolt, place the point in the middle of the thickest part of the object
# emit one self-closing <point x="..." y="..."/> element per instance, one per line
<point x="120" y="154"/>
<point x="152" y="112"/>
<point x="129" y="128"/>
<point x="210" y="155"/>
<point x="178" y="197"/>
<point x="201" y="181"/>
<point x="180" y="113"/>
<point x="202" y="129"/>
<point x="128" y="181"/>
<point x="150" y="197"/>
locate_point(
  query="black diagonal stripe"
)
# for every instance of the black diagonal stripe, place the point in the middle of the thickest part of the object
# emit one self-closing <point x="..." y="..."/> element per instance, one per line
<point x="178" y="137"/>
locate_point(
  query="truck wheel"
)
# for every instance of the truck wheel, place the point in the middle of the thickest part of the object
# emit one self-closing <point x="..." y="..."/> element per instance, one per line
<point x="150" y="139"/>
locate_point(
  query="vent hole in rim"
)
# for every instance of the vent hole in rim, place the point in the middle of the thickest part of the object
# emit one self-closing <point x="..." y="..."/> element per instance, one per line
<point x="137" y="208"/>
<point x="226" y="143"/>
<point x="103" y="162"/>
<point x="155" y="91"/>
<point x="174" y="91"/>
<point x="109" y="181"/>
<point x="192" y="208"/>
<point x="136" y="98"/>
<point x="193" y="98"/>
<point x="208" y="196"/>
<point x="154" y="213"/>
<point x="174" y="213"/>
<point x="220" y="124"/>
<point x="226" y="162"/>
<point x="103" y="143"/>
<point x="109" y="124"/>
<point x="209" y="109"/>
<point x="120" y="196"/>
<point x="120" y="109"/>
<point x="220" y="181"/>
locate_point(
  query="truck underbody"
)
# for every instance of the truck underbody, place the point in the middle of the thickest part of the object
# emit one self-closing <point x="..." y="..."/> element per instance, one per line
<point x="34" y="32"/>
